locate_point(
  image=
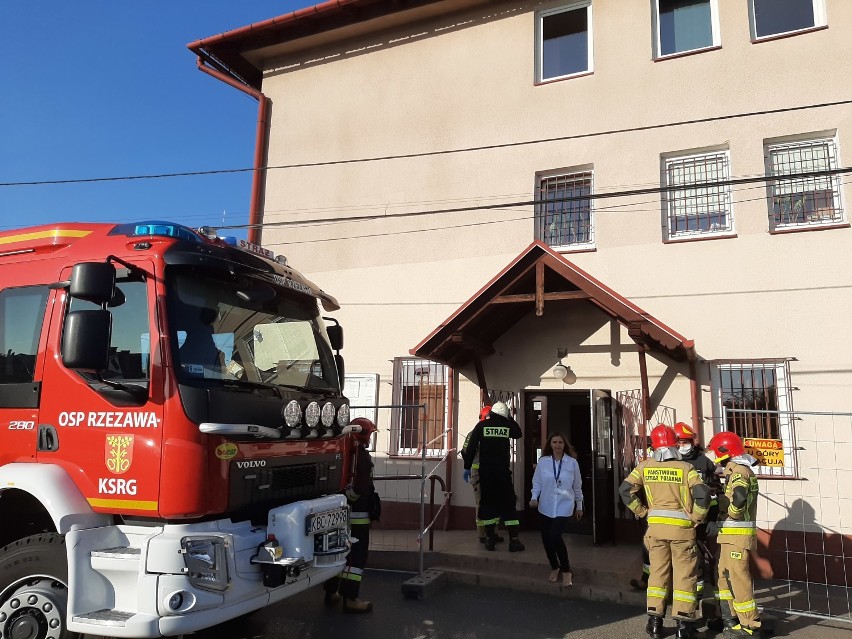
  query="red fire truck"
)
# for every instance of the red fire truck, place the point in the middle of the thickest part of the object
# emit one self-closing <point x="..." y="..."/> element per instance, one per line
<point x="172" y="431"/>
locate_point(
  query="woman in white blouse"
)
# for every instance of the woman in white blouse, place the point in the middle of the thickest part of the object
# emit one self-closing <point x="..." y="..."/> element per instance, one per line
<point x="557" y="491"/>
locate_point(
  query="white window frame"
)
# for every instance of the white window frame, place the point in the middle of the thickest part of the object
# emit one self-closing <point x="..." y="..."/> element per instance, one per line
<point x="820" y="20"/>
<point x="539" y="40"/>
<point x="576" y="171"/>
<point x="786" y="421"/>
<point x="406" y="369"/>
<point x="714" y="28"/>
<point x="671" y="198"/>
<point x="800" y="142"/>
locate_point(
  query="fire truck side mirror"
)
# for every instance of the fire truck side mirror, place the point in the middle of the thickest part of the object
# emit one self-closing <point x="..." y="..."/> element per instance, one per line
<point x="86" y="340"/>
<point x="335" y="336"/>
<point x="93" y="282"/>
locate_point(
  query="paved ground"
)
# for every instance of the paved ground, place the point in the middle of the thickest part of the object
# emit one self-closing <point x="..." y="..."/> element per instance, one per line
<point x="464" y="612"/>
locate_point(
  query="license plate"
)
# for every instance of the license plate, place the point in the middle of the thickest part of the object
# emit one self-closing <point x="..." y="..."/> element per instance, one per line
<point x="329" y="520"/>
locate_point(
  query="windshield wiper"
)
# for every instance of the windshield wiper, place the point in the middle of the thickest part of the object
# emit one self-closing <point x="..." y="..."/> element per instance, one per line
<point x="250" y="386"/>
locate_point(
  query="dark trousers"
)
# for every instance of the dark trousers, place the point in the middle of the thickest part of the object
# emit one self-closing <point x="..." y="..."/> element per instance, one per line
<point x="348" y="583"/>
<point x="551" y="537"/>
<point x="497" y="497"/>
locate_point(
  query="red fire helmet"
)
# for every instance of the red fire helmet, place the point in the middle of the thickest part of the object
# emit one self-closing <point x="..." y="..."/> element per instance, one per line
<point x="483" y="413"/>
<point x="362" y="429"/>
<point x="725" y="444"/>
<point x="663" y="436"/>
<point x="684" y="431"/>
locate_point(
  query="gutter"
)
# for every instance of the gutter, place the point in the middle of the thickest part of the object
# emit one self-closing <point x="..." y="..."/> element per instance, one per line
<point x="260" y="145"/>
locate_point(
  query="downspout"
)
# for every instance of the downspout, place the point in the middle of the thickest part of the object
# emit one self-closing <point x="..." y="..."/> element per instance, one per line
<point x="261" y="137"/>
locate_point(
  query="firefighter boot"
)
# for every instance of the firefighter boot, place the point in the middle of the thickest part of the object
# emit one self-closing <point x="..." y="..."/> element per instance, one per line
<point x="515" y="544"/>
<point x="743" y="631"/>
<point x="490" y="537"/>
<point x="721" y="624"/>
<point x="654" y="627"/>
<point x="686" y="630"/>
<point x="357" y="606"/>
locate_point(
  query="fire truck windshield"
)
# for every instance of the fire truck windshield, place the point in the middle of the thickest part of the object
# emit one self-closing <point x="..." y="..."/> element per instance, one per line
<point x="247" y="330"/>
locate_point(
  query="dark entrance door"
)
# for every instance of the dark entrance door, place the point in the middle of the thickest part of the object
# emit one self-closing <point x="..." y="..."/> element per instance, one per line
<point x="580" y="417"/>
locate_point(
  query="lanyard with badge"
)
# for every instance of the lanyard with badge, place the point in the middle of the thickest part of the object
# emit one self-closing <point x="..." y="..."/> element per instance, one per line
<point x="559" y="472"/>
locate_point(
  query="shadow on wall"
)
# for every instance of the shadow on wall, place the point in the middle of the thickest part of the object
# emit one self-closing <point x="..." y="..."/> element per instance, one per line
<point x="798" y="548"/>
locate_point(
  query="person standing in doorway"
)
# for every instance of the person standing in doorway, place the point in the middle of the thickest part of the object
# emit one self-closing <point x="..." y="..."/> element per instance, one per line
<point x="557" y="492"/>
<point x="491" y="440"/>
<point x="347" y="585"/>
<point x="472" y="477"/>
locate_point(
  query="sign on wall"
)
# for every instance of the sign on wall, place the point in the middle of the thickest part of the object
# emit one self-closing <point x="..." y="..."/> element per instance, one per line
<point x="769" y="452"/>
<point x="363" y="394"/>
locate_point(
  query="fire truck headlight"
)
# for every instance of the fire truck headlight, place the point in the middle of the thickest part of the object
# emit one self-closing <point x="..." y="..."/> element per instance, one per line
<point x="293" y="414"/>
<point x="206" y="561"/>
<point x="343" y="415"/>
<point x="312" y="414"/>
<point x="328" y="414"/>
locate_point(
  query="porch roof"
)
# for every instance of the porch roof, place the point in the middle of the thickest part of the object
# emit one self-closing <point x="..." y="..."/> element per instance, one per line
<point x="538" y="275"/>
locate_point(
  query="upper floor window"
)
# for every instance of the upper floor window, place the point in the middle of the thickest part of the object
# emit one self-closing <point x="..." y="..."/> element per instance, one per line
<point x="420" y="415"/>
<point x="780" y="17"/>
<point x="753" y="399"/>
<point x="808" y="200"/>
<point x="564" y="41"/>
<point x="695" y="206"/>
<point x="685" y="25"/>
<point x="564" y="216"/>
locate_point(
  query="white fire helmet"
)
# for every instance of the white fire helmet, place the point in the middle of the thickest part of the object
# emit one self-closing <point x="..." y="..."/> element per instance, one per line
<point x="500" y="408"/>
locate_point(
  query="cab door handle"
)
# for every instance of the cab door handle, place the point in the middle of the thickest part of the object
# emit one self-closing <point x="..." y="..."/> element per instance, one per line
<point x="48" y="438"/>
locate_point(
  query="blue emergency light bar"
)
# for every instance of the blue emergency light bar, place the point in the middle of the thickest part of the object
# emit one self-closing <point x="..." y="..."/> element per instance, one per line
<point x="155" y="228"/>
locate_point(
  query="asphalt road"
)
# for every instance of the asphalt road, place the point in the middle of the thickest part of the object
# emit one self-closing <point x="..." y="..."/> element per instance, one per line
<point x="464" y="612"/>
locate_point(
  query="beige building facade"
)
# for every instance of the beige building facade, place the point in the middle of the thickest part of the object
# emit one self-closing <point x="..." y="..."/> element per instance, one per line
<point x="490" y="188"/>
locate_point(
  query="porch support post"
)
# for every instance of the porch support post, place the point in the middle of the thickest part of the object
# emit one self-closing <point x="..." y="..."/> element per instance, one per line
<point x="646" y="393"/>
<point x="539" y="288"/>
<point x="480" y="378"/>
<point x="696" y="398"/>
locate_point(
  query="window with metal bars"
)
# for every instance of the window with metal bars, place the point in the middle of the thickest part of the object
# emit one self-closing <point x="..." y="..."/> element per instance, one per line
<point x="771" y="18"/>
<point x="803" y="201"/>
<point x="694" y="210"/>
<point x="420" y="413"/>
<point x="753" y="398"/>
<point x="564" y="217"/>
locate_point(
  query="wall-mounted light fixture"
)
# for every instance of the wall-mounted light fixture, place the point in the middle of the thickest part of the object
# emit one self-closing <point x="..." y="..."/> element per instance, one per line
<point x="561" y="371"/>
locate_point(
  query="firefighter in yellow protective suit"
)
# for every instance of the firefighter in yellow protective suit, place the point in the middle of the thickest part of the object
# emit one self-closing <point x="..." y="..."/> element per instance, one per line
<point x="736" y="530"/>
<point x="677" y="500"/>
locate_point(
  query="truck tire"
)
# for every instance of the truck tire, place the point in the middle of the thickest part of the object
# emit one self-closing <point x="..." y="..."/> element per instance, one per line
<point x="34" y="588"/>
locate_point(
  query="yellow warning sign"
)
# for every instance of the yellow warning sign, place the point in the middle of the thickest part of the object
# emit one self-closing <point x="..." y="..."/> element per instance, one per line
<point x="668" y="475"/>
<point x="769" y="452"/>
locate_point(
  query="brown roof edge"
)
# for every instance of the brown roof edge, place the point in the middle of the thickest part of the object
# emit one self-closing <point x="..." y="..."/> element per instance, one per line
<point x="256" y="27"/>
<point x="599" y="292"/>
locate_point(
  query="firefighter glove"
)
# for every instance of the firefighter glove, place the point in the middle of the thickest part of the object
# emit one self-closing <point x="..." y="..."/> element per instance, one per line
<point x="466" y="475"/>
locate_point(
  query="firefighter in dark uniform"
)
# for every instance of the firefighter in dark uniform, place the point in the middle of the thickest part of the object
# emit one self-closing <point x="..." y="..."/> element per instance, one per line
<point x="677" y="500"/>
<point x="490" y="439"/>
<point x="347" y="585"/>
<point x="472" y="477"/>
<point x="737" y="536"/>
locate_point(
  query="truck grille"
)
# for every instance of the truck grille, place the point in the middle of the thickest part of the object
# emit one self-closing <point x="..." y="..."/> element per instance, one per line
<point x="282" y="481"/>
